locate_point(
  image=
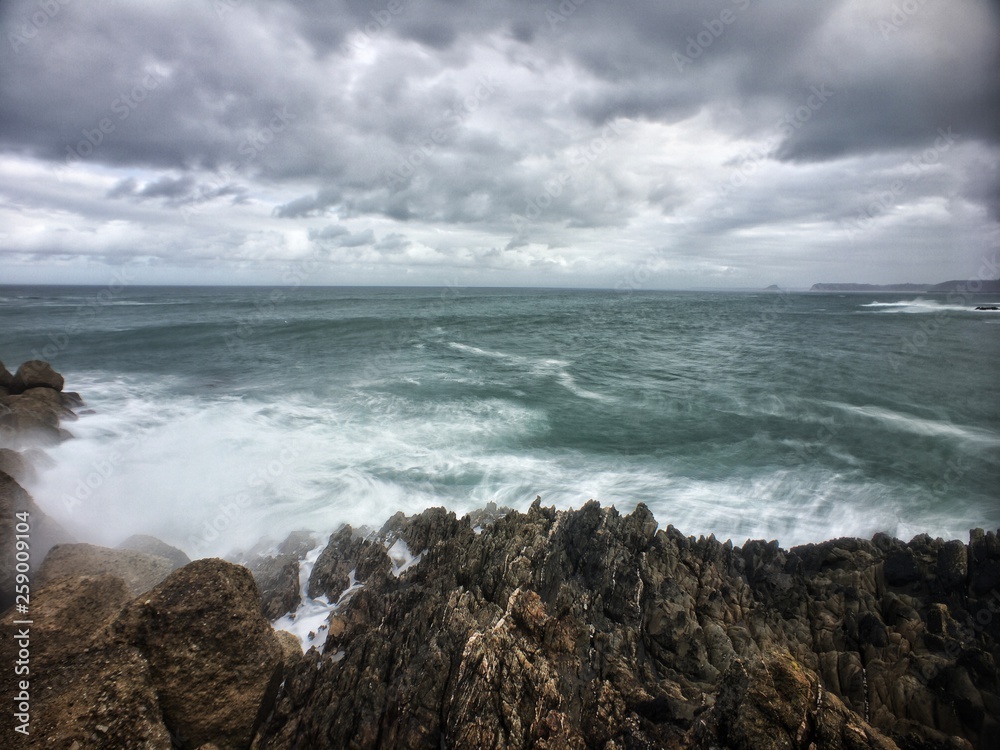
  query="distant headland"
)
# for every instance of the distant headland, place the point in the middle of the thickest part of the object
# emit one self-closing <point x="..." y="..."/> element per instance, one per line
<point x="968" y="286"/>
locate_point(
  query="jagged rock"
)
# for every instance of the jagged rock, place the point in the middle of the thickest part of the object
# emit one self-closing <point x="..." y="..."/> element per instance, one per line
<point x="291" y="649"/>
<point x="298" y="544"/>
<point x="140" y="571"/>
<point x="483" y="517"/>
<point x="278" y="581"/>
<point x="5" y="377"/>
<point x="35" y="374"/>
<point x="214" y="660"/>
<point x="347" y="553"/>
<point x="984" y="561"/>
<point x="277" y="576"/>
<point x="150" y="545"/>
<point x="773" y="703"/>
<point x="591" y="629"/>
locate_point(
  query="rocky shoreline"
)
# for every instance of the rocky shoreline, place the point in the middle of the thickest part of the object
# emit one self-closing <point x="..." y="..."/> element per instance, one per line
<point x="546" y="629"/>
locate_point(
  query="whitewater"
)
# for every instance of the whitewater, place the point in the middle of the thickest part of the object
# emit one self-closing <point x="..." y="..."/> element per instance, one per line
<point x="217" y="416"/>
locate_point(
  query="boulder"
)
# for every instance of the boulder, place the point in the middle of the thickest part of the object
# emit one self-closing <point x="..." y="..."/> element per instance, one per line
<point x="43" y="533"/>
<point x="15" y="465"/>
<point x="35" y="374"/>
<point x="189" y="664"/>
<point x="85" y="691"/>
<point x="34" y="416"/>
<point x="140" y="571"/>
<point x="150" y="545"/>
<point x="214" y="660"/>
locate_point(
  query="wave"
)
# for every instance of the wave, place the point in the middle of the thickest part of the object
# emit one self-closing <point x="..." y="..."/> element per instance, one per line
<point x="484" y="352"/>
<point x="544" y="368"/>
<point x="215" y="475"/>
<point x="903" y="422"/>
<point x="920" y="306"/>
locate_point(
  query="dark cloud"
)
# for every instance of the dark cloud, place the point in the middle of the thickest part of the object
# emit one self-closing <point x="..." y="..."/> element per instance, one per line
<point x="731" y="120"/>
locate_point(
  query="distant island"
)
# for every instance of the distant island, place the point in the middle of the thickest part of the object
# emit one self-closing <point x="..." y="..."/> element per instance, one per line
<point x="972" y="286"/>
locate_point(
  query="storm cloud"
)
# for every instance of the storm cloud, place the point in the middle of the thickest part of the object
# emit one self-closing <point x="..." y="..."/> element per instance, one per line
<point x="728" y="143"/>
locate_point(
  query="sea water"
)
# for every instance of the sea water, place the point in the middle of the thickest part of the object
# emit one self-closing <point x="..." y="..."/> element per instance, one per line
<point x="216" y="416"/>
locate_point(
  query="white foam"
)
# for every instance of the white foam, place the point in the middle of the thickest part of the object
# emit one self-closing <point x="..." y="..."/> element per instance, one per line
<point x="308" y="622"/>
<point x="483" y="352"/>
<point x="918" y="425"/>
<point x="210" y="472"/>
<point x="917" y="306"/>
<point x="401" y="557"/>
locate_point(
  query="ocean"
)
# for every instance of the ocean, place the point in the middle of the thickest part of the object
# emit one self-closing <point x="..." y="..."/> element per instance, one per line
<point x="216" y="416"/>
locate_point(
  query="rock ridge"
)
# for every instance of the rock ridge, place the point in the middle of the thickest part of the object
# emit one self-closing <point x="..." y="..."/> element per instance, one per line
<point x="590" y="629"/>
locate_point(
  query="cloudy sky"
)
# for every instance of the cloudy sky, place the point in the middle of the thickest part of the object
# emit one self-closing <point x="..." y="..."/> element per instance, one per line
<point x="642" y="143"/>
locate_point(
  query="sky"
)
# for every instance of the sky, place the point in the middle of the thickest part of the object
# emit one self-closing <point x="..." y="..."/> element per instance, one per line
<point x="582" y="143"/>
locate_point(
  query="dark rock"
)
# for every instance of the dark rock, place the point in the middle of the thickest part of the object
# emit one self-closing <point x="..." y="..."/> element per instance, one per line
<point x="190" y="663"/>
<point x="213" y="659"/>
<point x="490" y="513"/>
<point x="35" y="374"/>
<point x="278" y="581"/>
<point x="347" y="554"/>
<point x="16" y="466"/>
<point x="71" y="399"/>
<point x="900" y="568"/>
<point x="85" y="690"/>
<point x="5" y="377"/>
<point x="984" y="561"/>
<point x="34" y="416"/>
<point x="774" y="703"/>
<point x="150" y="545"/>
<point x="298" y="544"/>
<point x="952" y="565"/>
<point x="591" y="629"/>
<point x="139" y="570"/>
<point x="277" y="576"/>
<point x="44" y="533"/>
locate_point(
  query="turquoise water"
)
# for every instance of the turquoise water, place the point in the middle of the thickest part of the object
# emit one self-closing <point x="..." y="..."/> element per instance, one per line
<point x="222" y="414"/>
